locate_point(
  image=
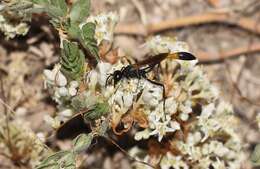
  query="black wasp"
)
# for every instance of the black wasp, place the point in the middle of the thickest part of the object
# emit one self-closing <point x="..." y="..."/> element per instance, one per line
<point x="139" y="70"/>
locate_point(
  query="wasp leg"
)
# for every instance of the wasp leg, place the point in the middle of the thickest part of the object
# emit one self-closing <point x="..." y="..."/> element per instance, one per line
<point x="157" y="77"/>
<point x="164" y="93"/>
<point x="139" y="76"/>
<point x="113" y="102"/>
<point x="108" y="78"/>
<point x="149" y="68"/>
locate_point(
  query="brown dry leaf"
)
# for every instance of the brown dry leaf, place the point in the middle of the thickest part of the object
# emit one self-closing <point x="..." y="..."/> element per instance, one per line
<point x="140" y="118"/>
<point x="112" y="56"/>
<point x="107" y="53"/>
<point x="128" y="122"/>
<point x="120" y="131"/>
<point x="104" y="48"/>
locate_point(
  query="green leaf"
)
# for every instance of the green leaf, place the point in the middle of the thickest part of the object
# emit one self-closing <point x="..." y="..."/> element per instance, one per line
<point x="88" y="38"/>
<point x="82" y="142"/>
<point x="73" y="31"/>
<point x="56" y="9"/>
<point x="99" y="110"/>
<point x="61" y="159"/>
<point x="83" y="100"/>
<point x="72" y="61"/>
<point x="79" y="11"/>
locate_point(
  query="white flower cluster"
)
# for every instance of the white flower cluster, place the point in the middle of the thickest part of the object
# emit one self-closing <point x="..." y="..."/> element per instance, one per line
<point x="11" y="30"/>
<point x="56" y="80"/>
<point x="62" y="91"/>
<point x="159" y="44"/>
<point x="105" y="24"/>
<point x="213" y="140"/>
<point x="188" y="120"/>
<point x="209" y="138"/>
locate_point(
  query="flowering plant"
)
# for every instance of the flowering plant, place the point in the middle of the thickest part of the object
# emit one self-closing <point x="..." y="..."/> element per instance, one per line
<point x="188" y="128"/>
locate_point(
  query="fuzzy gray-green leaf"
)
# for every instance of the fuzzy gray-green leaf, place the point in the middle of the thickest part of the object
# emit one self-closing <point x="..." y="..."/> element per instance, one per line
<point x="82" y="142"/>
<point x="79" y="11"/>
<point x="72" y="61"/>
<point x="88" y="37"/>
<point x="99" y="110"/>
<point x="56" y="9"/>
<point x="61" y="158"/>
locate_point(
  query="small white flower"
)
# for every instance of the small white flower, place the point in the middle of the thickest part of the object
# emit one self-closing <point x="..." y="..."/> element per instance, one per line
<point x="66" y="113"/>
<point x="152" y="94"/>
<point x="55" y="77"/>
<point x="53" y="122"/>
<point x="186" y="107"/>
<point x="145" y="134"/>
<point x="62" y="91"/>
<point x="171" y="106"/>
<point x="124" y="100"/>
<point x="60" y="79"/>
<point x="194" y="138"/>
<point x="74" y="84"/>
<point x="72" y="91"/>
<point x="92" y="79"/>
<point x="171" y="161"/>
<point x="184" y="116"/>
<point x="41" y="136"/>
<point x="105" y="24"/>
<point x="73" y="88"/>
<point x="103" y="69"/>
<point x="157" y="115"/>
<point x="159" y="44"/>
<point x="175" y="125"/>
<point x="207" y="111"/>
<point x="161" y="128"/>
<point x="49" y="75"/>
<point x="219" y="164"/>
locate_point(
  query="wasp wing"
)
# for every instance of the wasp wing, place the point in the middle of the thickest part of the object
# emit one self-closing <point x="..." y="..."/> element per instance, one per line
<point x="158" y="58"/>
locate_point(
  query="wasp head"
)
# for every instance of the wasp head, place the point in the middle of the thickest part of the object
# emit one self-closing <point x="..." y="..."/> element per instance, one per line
<point x="116" y="76"/>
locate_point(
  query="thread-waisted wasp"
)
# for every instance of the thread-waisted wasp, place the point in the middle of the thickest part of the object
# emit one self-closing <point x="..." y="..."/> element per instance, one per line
<point x="138" y="70"/>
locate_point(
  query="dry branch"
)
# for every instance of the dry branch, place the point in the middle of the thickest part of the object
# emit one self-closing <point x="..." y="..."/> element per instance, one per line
<point x="210" y="57"/>
<point x="225" y="18"/>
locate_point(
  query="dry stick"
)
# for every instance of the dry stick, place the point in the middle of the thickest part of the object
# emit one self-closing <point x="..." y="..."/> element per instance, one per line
<point x="139" y="29"/>
<point x="209" y="57"/>
<point x="242" y="22"/>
